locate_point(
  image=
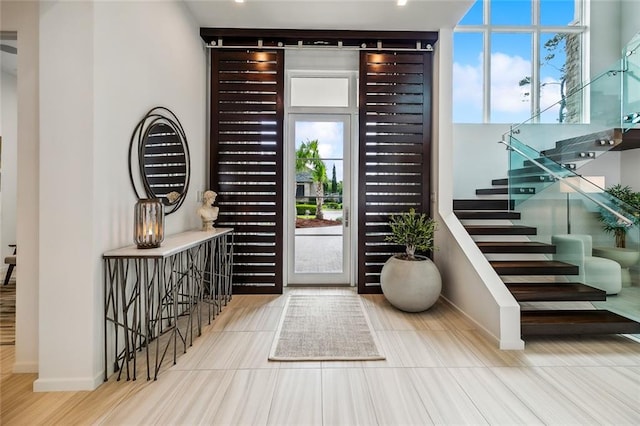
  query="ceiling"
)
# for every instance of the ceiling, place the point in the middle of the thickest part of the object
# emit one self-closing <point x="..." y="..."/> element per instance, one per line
<point x="416" y="15"/>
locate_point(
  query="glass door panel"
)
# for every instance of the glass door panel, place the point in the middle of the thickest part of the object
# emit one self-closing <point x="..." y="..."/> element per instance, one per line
<point x="320" y="198"/>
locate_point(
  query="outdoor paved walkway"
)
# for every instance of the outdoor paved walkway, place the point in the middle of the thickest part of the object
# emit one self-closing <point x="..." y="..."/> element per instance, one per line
<point x="318" y="249"/>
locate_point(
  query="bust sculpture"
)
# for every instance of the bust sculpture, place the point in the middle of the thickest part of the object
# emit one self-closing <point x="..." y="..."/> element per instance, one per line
<point x="207" y="212"/>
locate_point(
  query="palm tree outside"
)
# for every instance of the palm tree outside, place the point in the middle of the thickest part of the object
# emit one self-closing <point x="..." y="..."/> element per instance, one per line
<point x="308" y="160"/>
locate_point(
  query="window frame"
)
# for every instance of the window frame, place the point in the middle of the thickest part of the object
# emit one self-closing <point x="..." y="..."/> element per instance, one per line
<point x="486" y="29"/>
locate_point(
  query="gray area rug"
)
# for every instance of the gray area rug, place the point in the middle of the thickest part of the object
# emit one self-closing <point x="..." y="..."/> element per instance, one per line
<point x="324" y="328"/>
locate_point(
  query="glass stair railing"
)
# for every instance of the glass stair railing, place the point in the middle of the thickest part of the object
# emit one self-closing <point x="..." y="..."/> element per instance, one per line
<point x="609" y="121"/>
<point x="589" y="228"/>
<point x="555" y="178"/>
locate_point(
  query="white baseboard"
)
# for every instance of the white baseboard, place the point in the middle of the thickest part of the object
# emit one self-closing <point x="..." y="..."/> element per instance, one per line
<point x="25" y="367"/>
<point x="67" y="385"/>
<point x="503" y="344"/>
<point x="515" y="345"/>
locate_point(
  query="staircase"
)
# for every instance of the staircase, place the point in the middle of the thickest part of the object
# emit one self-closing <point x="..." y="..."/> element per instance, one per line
<point x="542" y="286"/>
<point x="526" y="289"/>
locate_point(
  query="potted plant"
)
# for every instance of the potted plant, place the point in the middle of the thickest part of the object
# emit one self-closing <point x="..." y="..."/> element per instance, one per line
<point x="629" y="206"/>
<point x="411" y="282"/>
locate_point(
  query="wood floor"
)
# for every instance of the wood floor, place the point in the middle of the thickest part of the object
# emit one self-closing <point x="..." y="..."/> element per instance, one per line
<point x="438" y="369"/>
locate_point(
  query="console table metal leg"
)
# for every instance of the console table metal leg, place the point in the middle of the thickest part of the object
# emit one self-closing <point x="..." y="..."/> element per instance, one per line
<point x="175" y="286"/>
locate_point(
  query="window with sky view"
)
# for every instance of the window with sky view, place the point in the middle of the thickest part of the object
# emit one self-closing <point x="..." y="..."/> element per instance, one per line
<point x="514" y="59"/>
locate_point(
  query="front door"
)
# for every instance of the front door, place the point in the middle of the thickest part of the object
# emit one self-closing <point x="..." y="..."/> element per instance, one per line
<point x="319" y="224"/>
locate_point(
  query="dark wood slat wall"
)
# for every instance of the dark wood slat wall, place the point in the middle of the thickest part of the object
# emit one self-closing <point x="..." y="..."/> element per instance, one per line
<point x="246" y="162"/>
<point x="394" y="154"/>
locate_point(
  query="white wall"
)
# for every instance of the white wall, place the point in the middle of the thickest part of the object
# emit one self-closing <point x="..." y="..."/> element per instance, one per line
<point x="107" y="64"/>
<point x="22" y="16"/>
<point x="605" y="35"/>
<point x="156" y="58"/>
<point x="478" y="157"/>
<point x="9" y="133"/>
<point x="629" y="174"/>
<point x="67" y="323"/>
<point x="612" y="24"/>
<point x="629" y="28"/>
<point x="630" y="20"/>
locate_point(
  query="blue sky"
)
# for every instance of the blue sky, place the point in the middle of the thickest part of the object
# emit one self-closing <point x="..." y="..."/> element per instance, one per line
<point x="511" y="62"/>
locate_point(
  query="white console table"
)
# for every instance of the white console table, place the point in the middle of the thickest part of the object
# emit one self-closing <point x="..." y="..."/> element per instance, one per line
<point x="159" y="295"/>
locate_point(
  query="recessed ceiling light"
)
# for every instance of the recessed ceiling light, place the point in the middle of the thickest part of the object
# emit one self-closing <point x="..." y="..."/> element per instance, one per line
<point x="402" y="2"/>
<point x="239" y="1"/>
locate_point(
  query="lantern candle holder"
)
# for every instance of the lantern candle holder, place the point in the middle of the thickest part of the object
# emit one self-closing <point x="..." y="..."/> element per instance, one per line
<point x="148" y="231"/>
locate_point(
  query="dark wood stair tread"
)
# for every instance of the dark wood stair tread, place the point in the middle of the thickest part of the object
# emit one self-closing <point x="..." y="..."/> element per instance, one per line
<point x="568" y="322"/>
<point x="587" y="142"/>
<point x="487" y="214"/>
<point x="522" y="179"/>
<point x="533" y="267"/>
<point x="500" y="230"/>
<point x="503" y="191"/>
<point x="555" y="292"/>
<point x="483" y="204"/>
<point x="630" y="140"/>
<point x="492" y="191"/>
<point x="515" y="247"/>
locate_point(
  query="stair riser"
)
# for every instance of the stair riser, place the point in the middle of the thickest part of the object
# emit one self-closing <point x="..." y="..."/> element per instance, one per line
<point x="503" y="231"/>
<point x="549" y="292"/>
<point x="522" y="250"/>
<point x="522" y="179"/>
<point x="579" y="329"/>
<point x="575" y="322"/>
<point x="469" y="214"/>
<point x="550" y="297"/>
<point x="587" y="145"/>
<point x="519" y="270"/>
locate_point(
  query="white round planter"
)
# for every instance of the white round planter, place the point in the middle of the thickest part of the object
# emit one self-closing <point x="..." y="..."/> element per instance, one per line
<point x="411" y="285"/>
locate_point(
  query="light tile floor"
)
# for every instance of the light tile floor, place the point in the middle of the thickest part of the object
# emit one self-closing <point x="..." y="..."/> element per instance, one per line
<point x="438" y="369"/>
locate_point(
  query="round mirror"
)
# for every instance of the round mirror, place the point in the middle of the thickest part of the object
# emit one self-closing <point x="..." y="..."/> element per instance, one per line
<point x="161" y="160"/>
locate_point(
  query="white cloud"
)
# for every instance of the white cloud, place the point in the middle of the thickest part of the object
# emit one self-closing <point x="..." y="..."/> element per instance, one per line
<point x="550" y="95"/>
<point x="506" y="73"/>
<point x="508" y="99"/>
<point x="467" y="84"/>
<point x="328" y="134"/>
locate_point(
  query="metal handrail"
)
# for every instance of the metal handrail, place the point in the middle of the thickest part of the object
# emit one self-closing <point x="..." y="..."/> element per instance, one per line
<point x="621" y="218"/>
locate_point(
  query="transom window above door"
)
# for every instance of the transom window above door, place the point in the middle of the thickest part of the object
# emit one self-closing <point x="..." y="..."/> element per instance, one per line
<point x="319" y="92"/>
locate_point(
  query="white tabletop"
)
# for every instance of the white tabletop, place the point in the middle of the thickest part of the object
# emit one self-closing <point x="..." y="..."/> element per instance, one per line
<point x="171" y="245"/>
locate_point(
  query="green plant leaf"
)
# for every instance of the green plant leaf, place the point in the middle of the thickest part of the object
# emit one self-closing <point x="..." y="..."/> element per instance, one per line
<point x="413" y="230"/>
